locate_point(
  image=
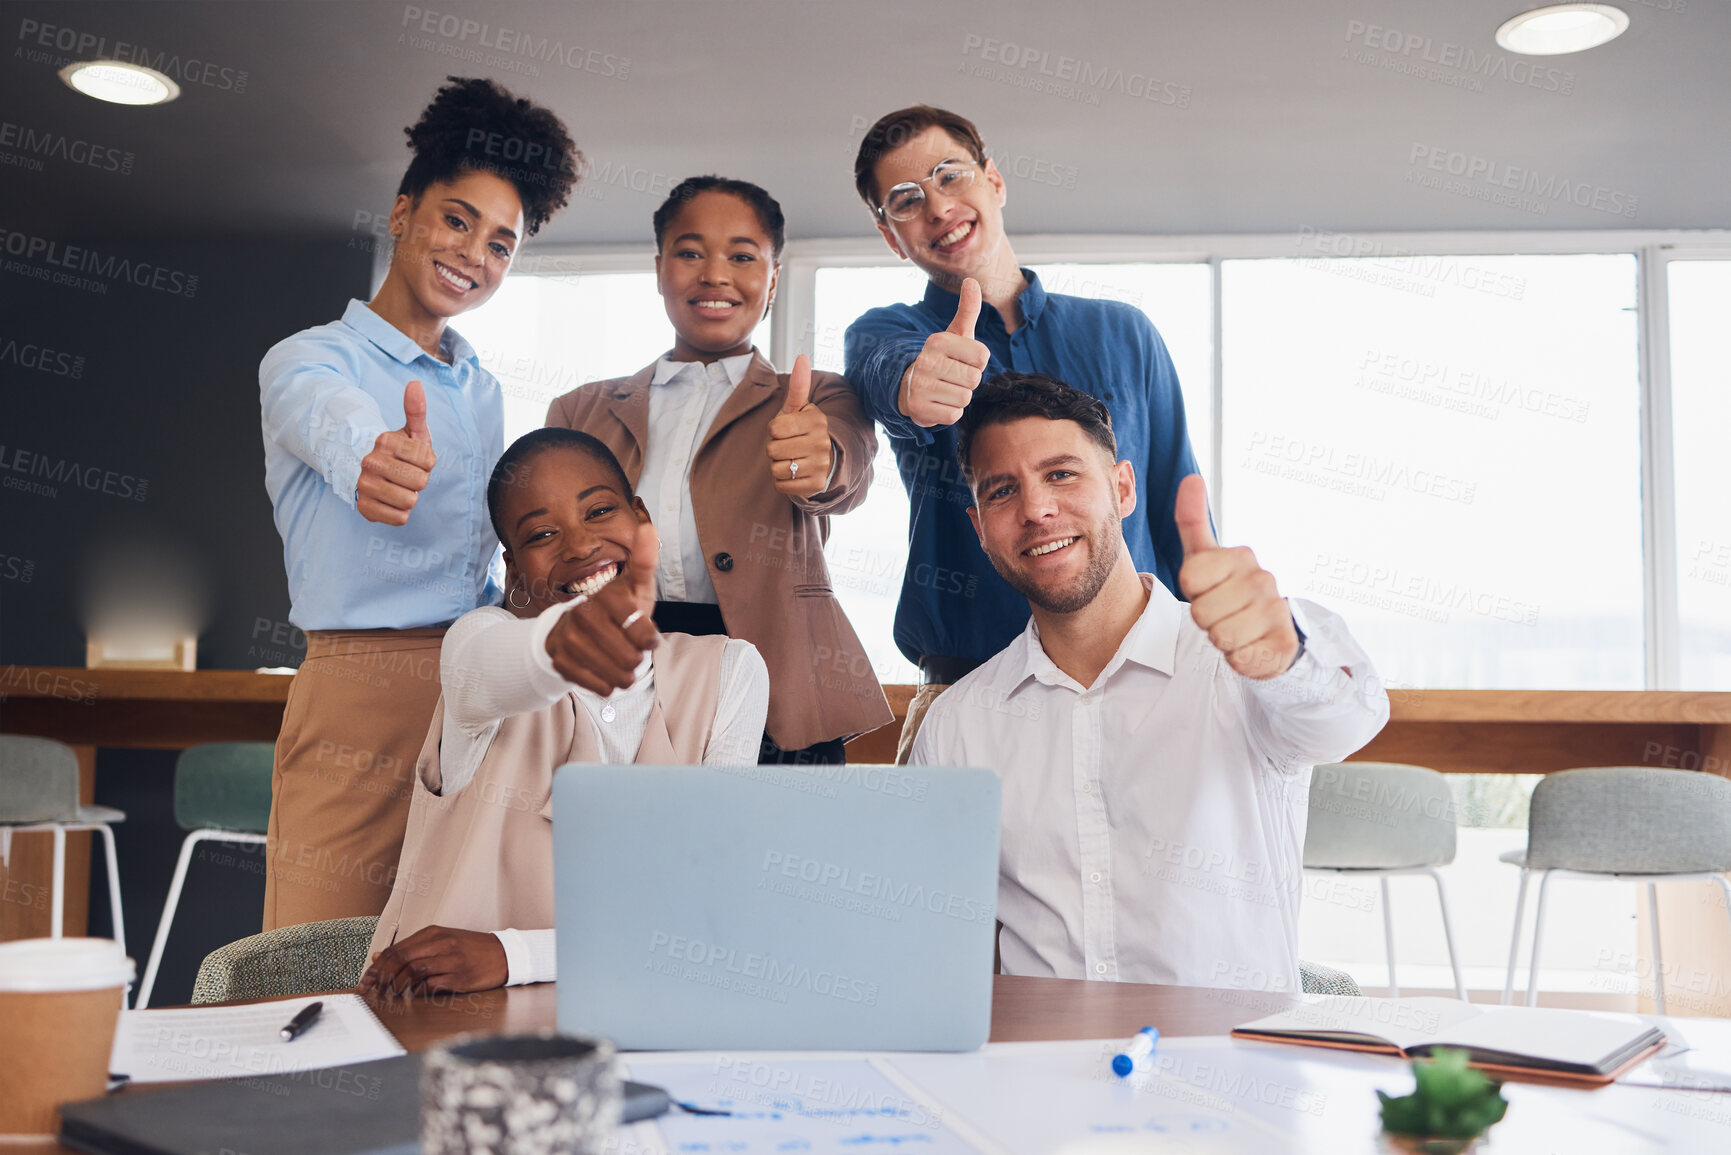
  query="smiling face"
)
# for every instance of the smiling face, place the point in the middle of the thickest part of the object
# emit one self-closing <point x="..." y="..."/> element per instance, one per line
<point x="716" y="274"/>
<point x="952" y="237"/>
<point x="1048" y="500"/>
<point x="455" y="243"/>
<point x="569" y="528"/>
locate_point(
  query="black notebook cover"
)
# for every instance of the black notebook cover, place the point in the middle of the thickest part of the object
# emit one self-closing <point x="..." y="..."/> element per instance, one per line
<point x="363" y="1109"/>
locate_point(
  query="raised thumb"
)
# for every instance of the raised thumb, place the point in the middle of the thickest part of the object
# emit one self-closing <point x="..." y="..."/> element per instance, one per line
<point x="415" y="412"/>
<point x="968" y="311"/>
<point x="798" y="385"/>
<point x="1190" y="512"/>
<point x="645" y="559"/>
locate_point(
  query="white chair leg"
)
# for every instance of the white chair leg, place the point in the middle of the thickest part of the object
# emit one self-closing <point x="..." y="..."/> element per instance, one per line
<point x="1538" y="931"/>
<point x="1515" y="939"/>
<point x="57" y="905"/>
<point x="1448" y="934"/>
<point x="174" y="888"/>
<point x="115" y="914"/>
<point x="1388" y="938"/>
<point x="1658" y="958"/>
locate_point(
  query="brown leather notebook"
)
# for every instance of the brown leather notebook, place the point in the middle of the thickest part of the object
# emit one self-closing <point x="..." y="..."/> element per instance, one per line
<point x="1528" y="1043"/>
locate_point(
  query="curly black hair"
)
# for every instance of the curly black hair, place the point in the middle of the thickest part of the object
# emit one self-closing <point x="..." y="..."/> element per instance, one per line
<point x="475" y="124"/>
<point x="767" y="208"/>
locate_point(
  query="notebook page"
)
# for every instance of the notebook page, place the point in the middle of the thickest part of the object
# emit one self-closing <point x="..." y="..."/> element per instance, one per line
<point x="169" y="1045"/>
<point x="1548" y="1034"/>
<point x="1403" y="1022"/>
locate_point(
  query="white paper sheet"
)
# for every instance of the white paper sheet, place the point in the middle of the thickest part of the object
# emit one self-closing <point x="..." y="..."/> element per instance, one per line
<point x="813" y="1104"/>
<point x="1203" y="1097"/>
<point x="1697" y="1057"/>
<point x="162" y="1046"/>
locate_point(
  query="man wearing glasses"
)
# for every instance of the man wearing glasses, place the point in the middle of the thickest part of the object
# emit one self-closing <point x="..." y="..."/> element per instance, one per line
<point x="938" y="201"/>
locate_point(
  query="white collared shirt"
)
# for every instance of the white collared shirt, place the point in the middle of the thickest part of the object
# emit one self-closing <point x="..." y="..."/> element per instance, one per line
<point x="684" y="399"/>
<point x="1153" y="823"/>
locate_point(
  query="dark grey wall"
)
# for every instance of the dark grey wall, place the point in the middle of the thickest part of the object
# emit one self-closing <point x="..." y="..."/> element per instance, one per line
<point x="151" y="396"/>
<point x="131" y="416"/>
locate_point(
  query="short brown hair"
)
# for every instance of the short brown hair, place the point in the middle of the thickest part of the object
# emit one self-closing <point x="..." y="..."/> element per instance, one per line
<point x="896" y="129"/>
<point x="1013" y="396"/>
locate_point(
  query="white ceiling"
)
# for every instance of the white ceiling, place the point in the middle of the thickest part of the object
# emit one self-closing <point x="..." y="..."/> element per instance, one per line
<point x="1269" y="115"/>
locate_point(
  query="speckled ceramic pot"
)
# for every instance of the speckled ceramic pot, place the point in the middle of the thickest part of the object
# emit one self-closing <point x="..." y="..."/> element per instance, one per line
<point x="519" y="1095"/>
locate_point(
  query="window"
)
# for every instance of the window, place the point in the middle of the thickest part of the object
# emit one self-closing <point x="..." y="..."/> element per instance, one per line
<point x="1446" y="451"/>
<point x="1445" y="448"/>
<point x="1700" y="294"/>
<point x="542" y="336"/>
<point x="867" y="550"/>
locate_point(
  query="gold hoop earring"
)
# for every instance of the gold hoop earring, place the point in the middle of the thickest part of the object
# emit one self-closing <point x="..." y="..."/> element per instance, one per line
<point x="511" y="597"/>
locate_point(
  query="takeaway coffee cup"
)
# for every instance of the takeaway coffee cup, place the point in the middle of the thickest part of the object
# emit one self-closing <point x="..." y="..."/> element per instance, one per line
<point x="59" y="1001"/>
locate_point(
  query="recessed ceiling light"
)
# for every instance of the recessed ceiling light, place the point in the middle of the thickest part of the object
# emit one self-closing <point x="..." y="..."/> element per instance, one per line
<point x="1560" y="28"/>
<point x="120" y="83"/>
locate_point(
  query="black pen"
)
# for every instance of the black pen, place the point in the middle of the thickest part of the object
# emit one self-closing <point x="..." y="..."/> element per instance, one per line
<point x="298" y="1024"/>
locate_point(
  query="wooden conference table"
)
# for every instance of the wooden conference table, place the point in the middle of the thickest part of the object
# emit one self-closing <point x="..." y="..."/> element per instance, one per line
<point x="1541" y="1118"/>
<point x="1455" y="731"/>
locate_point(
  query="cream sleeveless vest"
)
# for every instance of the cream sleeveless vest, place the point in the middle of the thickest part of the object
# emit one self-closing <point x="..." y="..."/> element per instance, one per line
<point x="482" y="859"/>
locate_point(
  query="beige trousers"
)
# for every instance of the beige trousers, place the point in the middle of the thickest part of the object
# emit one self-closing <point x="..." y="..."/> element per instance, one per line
<point x="356" y="717"/>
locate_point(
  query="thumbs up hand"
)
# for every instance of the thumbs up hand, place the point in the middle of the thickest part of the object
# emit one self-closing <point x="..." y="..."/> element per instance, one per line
<point x="800" y="450"/>
<point x="399" y="466"/>
<point x="1231" y="597"/>
<point x="941" y="381"/>
<point x="599" y="643"/>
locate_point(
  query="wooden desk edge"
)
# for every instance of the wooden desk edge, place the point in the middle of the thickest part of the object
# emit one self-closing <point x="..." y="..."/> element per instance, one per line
<point x="1406" y="705"/>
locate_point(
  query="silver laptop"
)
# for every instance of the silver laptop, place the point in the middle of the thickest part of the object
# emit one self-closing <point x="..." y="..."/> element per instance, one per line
<point x="776" y="907"/>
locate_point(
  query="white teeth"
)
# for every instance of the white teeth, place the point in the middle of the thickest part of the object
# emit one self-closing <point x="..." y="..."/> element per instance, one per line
<point x="956" y="233"/>
<point x="1050" y="547"/>
<point x="715" y="304"/>
<point x="453" y="279"/>
<point x="593" y="583"/>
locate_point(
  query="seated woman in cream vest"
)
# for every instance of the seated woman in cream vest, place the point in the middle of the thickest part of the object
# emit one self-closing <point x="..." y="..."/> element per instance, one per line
<point x="570" y="669"/>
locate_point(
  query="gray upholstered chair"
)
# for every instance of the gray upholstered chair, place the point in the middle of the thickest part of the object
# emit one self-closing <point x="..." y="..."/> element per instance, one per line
<point x="221" y="794"/>
<point x="1316" y="979"/>
<point x="1622" y="824"/>
<point x="39" y="794"/>
<point x="290" y="960"/>
<point x="1380" y="819"/>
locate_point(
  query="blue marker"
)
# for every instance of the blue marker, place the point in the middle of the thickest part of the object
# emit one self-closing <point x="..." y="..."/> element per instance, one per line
<point x="1137" y="1054"/>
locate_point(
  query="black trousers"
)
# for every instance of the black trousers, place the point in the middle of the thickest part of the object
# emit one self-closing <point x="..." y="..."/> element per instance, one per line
<point x="703" y="619"/>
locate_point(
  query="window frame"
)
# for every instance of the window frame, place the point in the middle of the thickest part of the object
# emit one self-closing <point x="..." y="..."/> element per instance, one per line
<point x="1653" y="249"/>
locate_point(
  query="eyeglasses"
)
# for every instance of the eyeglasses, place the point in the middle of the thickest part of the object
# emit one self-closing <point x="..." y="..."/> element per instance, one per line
<point x="905" y="200"/>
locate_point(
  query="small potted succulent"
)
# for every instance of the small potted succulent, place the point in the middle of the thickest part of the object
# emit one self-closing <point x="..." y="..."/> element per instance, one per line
<point x="1450" y="1107"/>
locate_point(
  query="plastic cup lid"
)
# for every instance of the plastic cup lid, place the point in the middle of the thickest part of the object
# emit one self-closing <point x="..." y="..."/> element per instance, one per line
<point x="63" y="964"/>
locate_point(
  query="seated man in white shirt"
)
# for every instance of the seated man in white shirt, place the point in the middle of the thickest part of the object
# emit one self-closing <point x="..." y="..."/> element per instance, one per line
<point x="1155" y="756"/>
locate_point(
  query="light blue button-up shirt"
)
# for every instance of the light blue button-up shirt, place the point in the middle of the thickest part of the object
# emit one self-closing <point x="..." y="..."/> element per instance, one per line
<point x="326" y="394"/>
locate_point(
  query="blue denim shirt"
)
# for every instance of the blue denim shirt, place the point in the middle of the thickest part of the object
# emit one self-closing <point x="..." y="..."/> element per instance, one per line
<point x="326" y="394"/>
<point x="953" y="604"/>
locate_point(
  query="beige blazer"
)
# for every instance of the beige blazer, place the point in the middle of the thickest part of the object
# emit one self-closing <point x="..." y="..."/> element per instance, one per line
<point x="482" y="858"/>
<point x="764" y="550"/>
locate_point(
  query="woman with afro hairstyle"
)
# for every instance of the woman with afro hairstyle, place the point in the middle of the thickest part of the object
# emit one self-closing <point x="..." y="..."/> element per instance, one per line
<point x="380" y="431"/>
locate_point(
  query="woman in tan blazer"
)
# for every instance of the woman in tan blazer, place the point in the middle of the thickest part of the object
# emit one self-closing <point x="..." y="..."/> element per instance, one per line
<point x="741" y="469"/>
